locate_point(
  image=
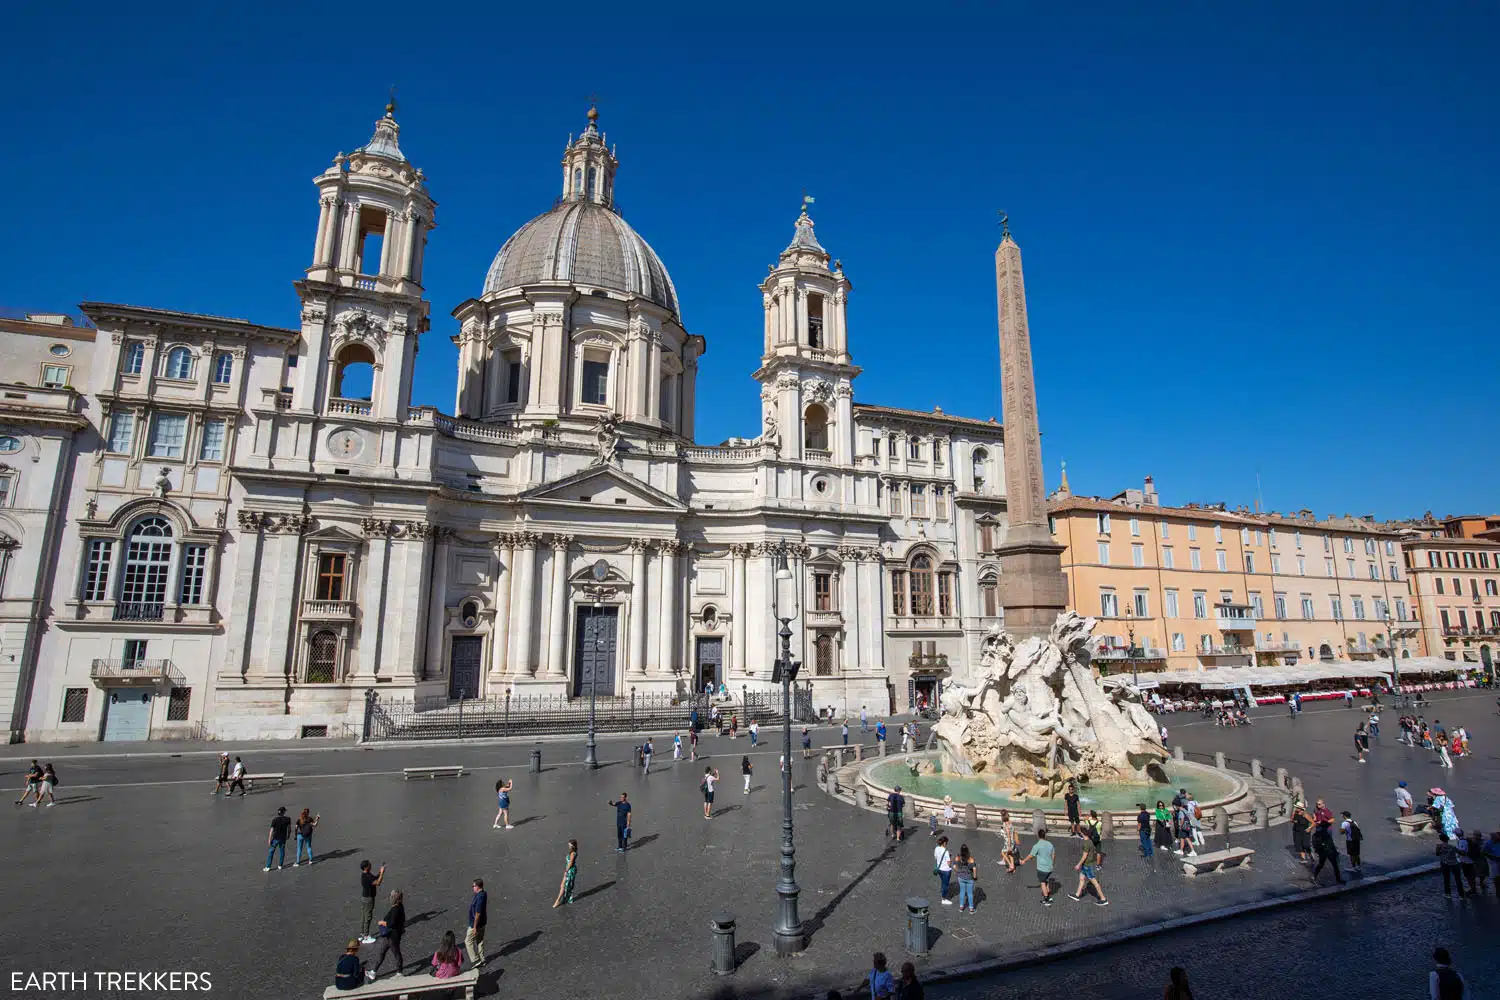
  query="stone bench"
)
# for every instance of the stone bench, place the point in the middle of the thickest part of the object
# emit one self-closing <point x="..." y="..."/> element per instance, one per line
<point x="440" y="771"/>
<point x="278" y="777"/>
<point x="401" y="987"/>
<point x="1411" y="826"/>
<point x="1216" y="861"/>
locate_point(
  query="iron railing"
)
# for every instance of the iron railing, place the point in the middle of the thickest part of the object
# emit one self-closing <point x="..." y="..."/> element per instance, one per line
<point x="130" y="611"/>
<point x="539" y="715"/>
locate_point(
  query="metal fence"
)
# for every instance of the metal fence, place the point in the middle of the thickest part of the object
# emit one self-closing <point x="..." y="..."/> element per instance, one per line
<point x="538" y="715"/>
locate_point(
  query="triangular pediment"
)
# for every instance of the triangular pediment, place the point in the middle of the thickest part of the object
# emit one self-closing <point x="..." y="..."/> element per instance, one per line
<point x="604" y="486"/>
<point x="334" y="533"/>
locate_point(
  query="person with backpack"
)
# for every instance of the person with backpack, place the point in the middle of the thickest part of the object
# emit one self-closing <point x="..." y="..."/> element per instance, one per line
<point x="746" y="768"/>
<point x="646" y="751"/>
<point x="1353" y="837"/>
<point x="49" y="782"/>
<point x="1088" y="871"/>
<point x="710" y="778"/>
<point x="1327" y="852"/>
<point x="1445" y="982"/>
<point x="895" y="813"/>
<point x="33" y="784"/>
<point x="222" y="784"/>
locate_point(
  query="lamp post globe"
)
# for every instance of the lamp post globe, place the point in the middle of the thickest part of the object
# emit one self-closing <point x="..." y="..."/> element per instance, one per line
<point x="789" y="936"/>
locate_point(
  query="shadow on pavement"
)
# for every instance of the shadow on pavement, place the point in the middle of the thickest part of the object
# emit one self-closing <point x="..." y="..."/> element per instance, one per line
<point x="814" y="925"/>
<point x="648" y="838"/>
<point x="424" y="915"/>
<point x="335" y="855"/>
<point x="511" y="947"/>
<point x="528" y="819"/>
<point x="589" y="892"/>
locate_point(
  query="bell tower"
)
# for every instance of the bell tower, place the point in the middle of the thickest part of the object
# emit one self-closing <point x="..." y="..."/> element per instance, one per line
<point x="806" y="372"/>
<point x="362" y="304"/>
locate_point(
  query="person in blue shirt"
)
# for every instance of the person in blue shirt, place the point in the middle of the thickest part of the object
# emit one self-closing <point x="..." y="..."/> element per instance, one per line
<point x="622" y="823"/>
<point x="350" y="974"/>
<point x="880" y="731"/>
<point x="479" y="905"/>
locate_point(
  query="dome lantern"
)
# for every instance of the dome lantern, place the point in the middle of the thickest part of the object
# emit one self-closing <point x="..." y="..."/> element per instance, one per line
<point x="589" y="166"/>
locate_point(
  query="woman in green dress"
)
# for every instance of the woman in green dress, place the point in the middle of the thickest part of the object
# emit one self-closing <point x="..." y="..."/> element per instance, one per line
<point x="565" y="891"/>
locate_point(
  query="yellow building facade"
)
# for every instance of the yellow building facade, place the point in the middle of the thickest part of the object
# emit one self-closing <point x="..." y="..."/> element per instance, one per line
<point x="1205" y="586"/>
<point x="1456" y="581"/>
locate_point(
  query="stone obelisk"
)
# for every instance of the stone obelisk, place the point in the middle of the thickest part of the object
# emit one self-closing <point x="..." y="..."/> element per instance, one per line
<point x="1033" y="590"/>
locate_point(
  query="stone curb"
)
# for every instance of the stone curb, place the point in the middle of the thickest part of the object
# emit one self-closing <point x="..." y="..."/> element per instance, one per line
<point x="1041" y="956"/>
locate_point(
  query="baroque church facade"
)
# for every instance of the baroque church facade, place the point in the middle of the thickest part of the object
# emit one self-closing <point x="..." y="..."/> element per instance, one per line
<point x="243" y="546"/>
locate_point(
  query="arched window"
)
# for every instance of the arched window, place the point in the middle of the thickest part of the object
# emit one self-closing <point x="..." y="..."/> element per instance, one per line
<point x="354" y="372"/>
<point x="148" y="558"/>
<point x="179" y="363"/>
<point x="593" y="181"/>
<point x="981" y="469"/>
<point x="135" y="358"/>
<point x="815" y="428"/>
<point x="989" y="594"/>
<point x="322" y="658"/>
<point x="469" y="613"/>
<point x="823" y="655"/>
<point x="577" y="182"/>
<point x="223" y="368"/>
<point x="921" y="587"/>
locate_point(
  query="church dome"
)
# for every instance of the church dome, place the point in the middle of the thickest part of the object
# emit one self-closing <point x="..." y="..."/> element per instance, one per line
<point x="586" y="243"/>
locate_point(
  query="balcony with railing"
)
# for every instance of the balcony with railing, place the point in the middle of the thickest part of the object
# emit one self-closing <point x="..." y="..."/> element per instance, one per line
<point x="1115" y="654"/>
<point x="127" y="672"/>
<point x="910" y="624"/>
<point x="132" y="611"/>
<point x="928" y="662"/>
<point x="1277" y="646"/>
<point x="1226" y="649"/>
<point x="328" y="610"/>
<point x="349" y="407"/>
<point x="817" y="456"/>
<point x="1235" y="617"/>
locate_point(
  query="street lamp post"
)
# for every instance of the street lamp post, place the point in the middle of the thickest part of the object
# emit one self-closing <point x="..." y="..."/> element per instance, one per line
<point x="600" y="594"/>
<point x="788" y="932"/>
<point x="1135" y="681"/>
<point x="1391" y="635"/>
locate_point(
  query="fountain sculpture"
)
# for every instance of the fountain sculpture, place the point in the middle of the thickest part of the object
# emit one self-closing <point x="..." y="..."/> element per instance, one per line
<point x="1039" y="717"/>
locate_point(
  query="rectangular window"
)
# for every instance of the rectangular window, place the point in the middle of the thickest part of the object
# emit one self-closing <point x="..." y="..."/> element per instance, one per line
<point x="914" y="449"/>
<point x="875" y="450"/>
<point x="330" y="582"/>
<point x="1328" y="569"/>
<point x="595" y="386"/>
<point x="1272" y="534"/>
<point x="168" y="435"/>
<point x="1195" y="558"/>
<point x="1439" y="581"/>
<point x="1348" y="544"/>
<point x="1103" y="553"/>
<point x="1192" y="532"/>
<point x="918" y="500"/>
<point x="1336" y="608"/>
<point x="1142" y="607"/>
<point x="940" y="502"/>
<point x="1169" y="603"/>
<point x="945" y="595"/>
<point x="1135" y="526"/>
<point x="75" y="704"/>
<point x="6" y="483"/>
<point x="1458" y="587"/>
<point x="890" y="446"/>
<point x="223" y="369"/>
<point x="1218" y="533"/>
<point x="938" y="447"/>
<point x="1443" y="616"/>
<point x="1179" y="642"/>
<point x="1327" y="543"/>
<point x="194" y="571"/>
<point x="512" y="360"/>
<point x="1350" y="564"/>
<point x="1393" y="574"/>
<point x="135" y="653"/>
<point x="1221" y="559"/>
<point x="54" y="376"/>
<point x="1302" y="565"/>
<point x="1109" y="604"/>
<point x="1249" y="562"/>
<point x="1359" y="607"/>
<point x="1463" y="618"/>
<point x="896" y="506"/>
<point x="898" y="592"/>
<point x="1166" y="531"/>
<point x="1200" y="604"/>
<point x="1255" y="602"/>
<point x="1103" y="520"/>
<point x="1137" y="554"/>
<point x="1382" y="610"/>
<point x="1275" y="563"/>
<point x="1297" y="537"/>
<point x="1244" y="536"/>
<point x="1307" y="607"/>
<point x="986" y="537"/>
<point x="1489" y="589"/>
<point x="1400" y="610"/>
<point x="1280" y="605"/>
<point x="121" y="433"/>
<point x="1374" y="571"/>
<point x="991" y="600"/>
<point x="213" y="442"/>
<point x="822" y="592"/>
<point x="1390" y="548"/>
<point x="177" y="704"/>
<point x="96" y="569"/>
<point x="1369" y="546"/>
<point x="1166" y="557"/>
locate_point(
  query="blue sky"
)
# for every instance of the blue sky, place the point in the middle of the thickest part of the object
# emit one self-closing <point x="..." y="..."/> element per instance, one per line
<point x="1256" y="242"/>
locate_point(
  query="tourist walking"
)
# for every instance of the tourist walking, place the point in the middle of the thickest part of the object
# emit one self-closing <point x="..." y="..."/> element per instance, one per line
<point x="646" y="751"/>
<point x="706" y="786"/>
<point x="237" y="777"/>
<point x="1448" y="861"/>
<point x="222" y="783"/>
<point x="677" y="747"/>
<point x="895" y="809"/>
<point x="1327" y="852"/>
<point x="479" y="906"/>
<point x="388" y="934"/>
<point x="845" y="732"/>
<point x="1353" y="837"/>
<point x="1143" y="828"/>
<point x="1045" y="855"/>
<point x="880" y="732"/>
<point x="502" y="800"/>
<point x="368" y="883"/>
<point x="948" y="815"/>
<point x="864" y="721"/>
<point x="1163" y="737"/>
<point x="1177" y="985"/>
<point x="907" y="987"/>
<point x="276" y="838"/>
<point x="1442" y="749"/>
<point x="1301" y="828"/>
<point x="1403" y="799"/>
<point x="942" y="867"/>
<point x="1467" y="846"/>
<point x="570" y="874"/>
<point x="306" y="824"/>
<point x="1010" y="846"/>
<point x="1070" y="799"/>
<point x="1195" y="819"/>
<point x="1374" y="726"/>
<point x="1185" y="830"/>
<point x="693" y="744"/>
<point x="745" y="769"/>
<point x="49" y="784"/>
<point x="882" y="986"/>
<point x="967" y="870"/>
<point x="1444" y="982"/>
<point x="34" y="784"/>
<point x="1163" y="820"/>
<point x="622" y="823"/>
<point x="447" y="960"/>
<point x="1088" y="871"/>
<point x="1359" y="744"/>
<point x="754" y="734"/>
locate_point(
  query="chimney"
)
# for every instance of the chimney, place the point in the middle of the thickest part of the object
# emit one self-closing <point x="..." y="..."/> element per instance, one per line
<point x="1150" y="492"/>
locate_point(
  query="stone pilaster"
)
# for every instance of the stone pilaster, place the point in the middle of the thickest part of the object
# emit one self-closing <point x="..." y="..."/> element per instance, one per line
<point x="557" y="636"/>
<point x="635" y="664"/>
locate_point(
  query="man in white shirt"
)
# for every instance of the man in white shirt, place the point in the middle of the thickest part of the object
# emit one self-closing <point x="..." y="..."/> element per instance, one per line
<point x="942" y="865"/>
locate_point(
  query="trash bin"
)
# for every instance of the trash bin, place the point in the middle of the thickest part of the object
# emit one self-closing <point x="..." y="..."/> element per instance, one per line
<point x="917" y="910"/>
<point x="723" y="953"/>
<point x="536" y="761"/>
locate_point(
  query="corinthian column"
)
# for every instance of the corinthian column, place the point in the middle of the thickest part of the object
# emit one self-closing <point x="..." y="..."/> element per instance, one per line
<point x="1032" y="587"/>
<point x="667" y="659"/>
<point x="557" y="664"/>
<point x="523" y="601"/>
<point x="500" y="645"/>
<point x="737" y="634"/>
<point x="635" y="663"/>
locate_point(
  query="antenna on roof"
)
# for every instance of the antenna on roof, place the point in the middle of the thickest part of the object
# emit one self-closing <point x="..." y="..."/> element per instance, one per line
<point x="1259" y="500"/>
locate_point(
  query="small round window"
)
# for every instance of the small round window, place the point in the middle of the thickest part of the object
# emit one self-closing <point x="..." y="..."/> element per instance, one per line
<point x="820" y="485"/>
<point x="60" y="350"/>
<point x="9" y="443"/>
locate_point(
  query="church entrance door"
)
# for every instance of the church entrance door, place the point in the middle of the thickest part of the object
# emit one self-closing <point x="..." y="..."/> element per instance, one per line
<point x="464" y="661"/>
<point x="594" y="650"/>
<point x="710" y="662"/>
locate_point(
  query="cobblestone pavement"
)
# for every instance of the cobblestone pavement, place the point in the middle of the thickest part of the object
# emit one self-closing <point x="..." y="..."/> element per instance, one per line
<point x="139" y="868"/>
